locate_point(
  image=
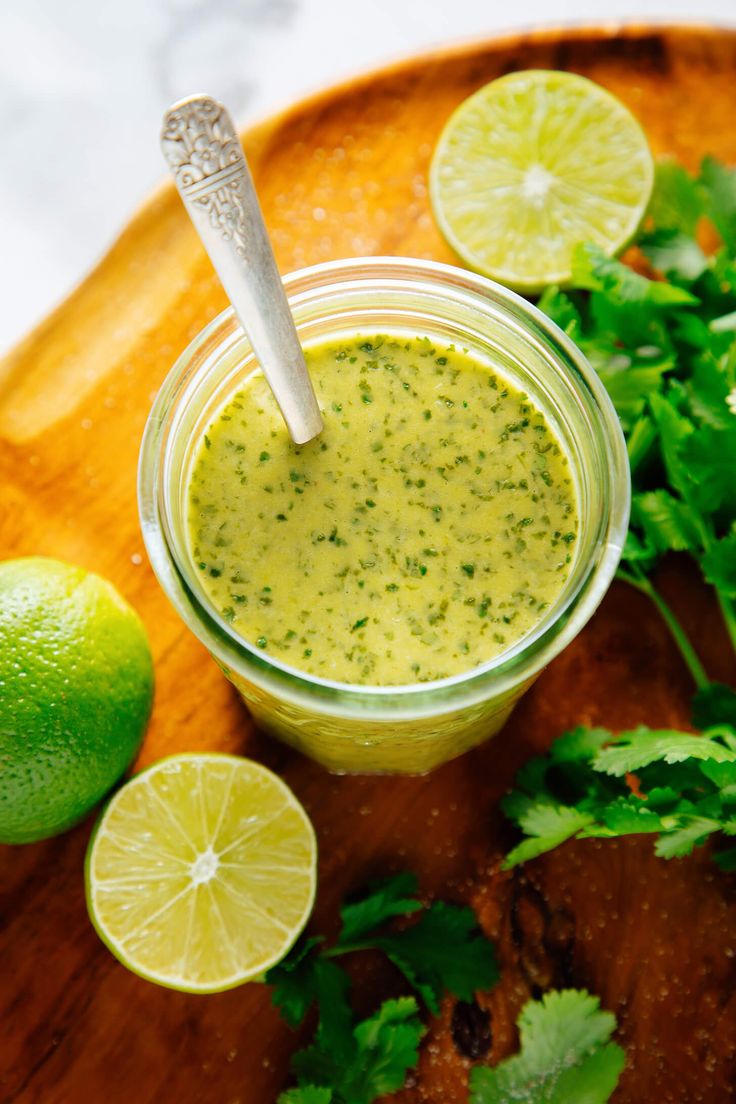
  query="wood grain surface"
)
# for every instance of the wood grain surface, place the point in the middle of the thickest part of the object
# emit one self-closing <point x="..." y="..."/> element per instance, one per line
<point x="345" y="174"/>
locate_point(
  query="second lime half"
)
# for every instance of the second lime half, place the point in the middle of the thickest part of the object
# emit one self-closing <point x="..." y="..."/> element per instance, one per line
<point x="532" y="164"/>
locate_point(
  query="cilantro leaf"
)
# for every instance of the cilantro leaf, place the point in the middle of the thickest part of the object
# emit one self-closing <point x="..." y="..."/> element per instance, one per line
<point x="640" y="442"/>
<point x="592" y="269"/>
<point x="691" y="332"/>
<point x="392" y="897"/>
<point x="719" y="562"/>
<point x="295" y="981"/>
<point x="675" y="430"/>
<point x="626" y="816"/>
<point x="306" y="1094"/>
<point x="619" y="333"/>
<point x="305" y="977"/>
<point x="682" y="841"/>
<point x="710" y="457"/>
<point x="385" y="1048"/>
<point x="631" y="377"/>
<point x="444" y="950"/>
<point x="558" y="795"/>
<point x="642" y="746"/>
<point x="674" y="254"/>
<point x="335" y="1015"/>
<point x="723" y="776"/>
<point x="677" y="202"/>
<point x="565" y="1056"/>
<point x="546" y="826"/>
<point x="579" y="745"/>
<point x="711" y="380"/>
<point x="719" y="185"/>
<point x="686" y="789"/>
<point x="668" y="522"/>
<point x="561" y="309"/>
<point x="638" y="550"/>
<point x="391" y="1038"/>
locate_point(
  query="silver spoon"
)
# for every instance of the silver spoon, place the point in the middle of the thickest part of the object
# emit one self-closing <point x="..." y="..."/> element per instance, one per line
<point x="202" y="148"/>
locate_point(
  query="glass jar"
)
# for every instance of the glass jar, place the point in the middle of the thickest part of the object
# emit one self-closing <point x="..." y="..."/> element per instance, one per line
<point x="406" y="728"/>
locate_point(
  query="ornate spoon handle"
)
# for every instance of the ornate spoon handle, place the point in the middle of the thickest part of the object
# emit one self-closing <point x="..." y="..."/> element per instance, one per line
<point x="203" y="150"/>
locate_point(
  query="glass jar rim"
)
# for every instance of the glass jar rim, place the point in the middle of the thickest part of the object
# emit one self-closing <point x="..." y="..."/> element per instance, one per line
<point x="523" y="659"/>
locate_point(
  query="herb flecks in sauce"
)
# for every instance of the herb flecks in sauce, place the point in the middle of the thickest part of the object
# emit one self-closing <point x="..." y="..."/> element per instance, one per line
<point x="424" y="532"/>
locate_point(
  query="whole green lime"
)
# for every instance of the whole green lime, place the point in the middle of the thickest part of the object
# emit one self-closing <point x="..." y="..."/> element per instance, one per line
<point x="76" y="686"/>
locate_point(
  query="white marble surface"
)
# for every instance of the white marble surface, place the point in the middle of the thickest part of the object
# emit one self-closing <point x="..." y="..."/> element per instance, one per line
<point x="83" y="85"/>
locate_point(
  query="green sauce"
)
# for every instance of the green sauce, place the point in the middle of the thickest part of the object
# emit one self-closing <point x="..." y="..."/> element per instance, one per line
<point x="425" y="531"/>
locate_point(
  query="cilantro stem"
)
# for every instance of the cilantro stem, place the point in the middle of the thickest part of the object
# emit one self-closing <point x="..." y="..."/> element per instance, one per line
<point x="637" y="579"/>
<point x="725" y="604"/>
<point x="729" y="616"/>
<point x="725" y="732"/>
<point x="347" y="948"/>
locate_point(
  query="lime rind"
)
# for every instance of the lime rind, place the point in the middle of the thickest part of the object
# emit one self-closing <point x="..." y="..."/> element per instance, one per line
<point x="532" y="164"/>
<point x="77" y="681"/>
<point x="243" y="915"/>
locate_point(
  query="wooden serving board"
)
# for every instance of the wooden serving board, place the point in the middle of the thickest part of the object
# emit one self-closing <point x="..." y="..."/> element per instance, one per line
<point x="343" y="174"/>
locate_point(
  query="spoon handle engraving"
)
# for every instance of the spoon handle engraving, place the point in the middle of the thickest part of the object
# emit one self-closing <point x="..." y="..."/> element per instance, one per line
<point x="202" y="148"/>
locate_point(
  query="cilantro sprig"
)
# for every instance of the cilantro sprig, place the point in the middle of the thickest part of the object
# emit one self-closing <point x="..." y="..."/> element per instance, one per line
<point x="665" y="349"/>
<point x="441" y="950"/>
<point x="566" y="1055"/>
<point x="385" y="1047"/>
<point x="678" y="785"/>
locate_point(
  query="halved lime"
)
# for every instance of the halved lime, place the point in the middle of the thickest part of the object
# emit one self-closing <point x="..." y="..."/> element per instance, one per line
<point x="201" y="872"/>
<point x="532" y="164"/>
